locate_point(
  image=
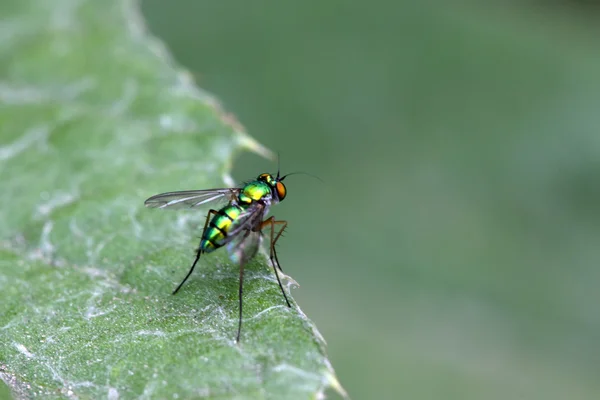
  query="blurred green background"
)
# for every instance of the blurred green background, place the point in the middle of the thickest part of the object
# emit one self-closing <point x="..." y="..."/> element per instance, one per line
<point x="453" y="250"/>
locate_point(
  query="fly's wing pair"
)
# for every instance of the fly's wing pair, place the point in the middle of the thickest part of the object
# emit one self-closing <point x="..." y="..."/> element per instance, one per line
<point x="190" y="198"/>
<point x="244" y="236"/>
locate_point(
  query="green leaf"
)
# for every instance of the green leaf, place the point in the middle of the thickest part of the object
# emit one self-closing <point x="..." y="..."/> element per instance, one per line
<point x="95" y="118"/>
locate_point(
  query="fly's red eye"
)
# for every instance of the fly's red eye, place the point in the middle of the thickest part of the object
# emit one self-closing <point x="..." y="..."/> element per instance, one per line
<point x="281" y="192"/>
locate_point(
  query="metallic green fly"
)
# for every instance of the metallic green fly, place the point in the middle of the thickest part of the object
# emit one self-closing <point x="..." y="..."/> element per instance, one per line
<point x="238" y="225"/>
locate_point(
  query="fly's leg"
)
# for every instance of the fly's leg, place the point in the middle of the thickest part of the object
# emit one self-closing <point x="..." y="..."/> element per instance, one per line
<point x="240" y="291"/>
<point x="208" y="218"/>
<point x="237" y="338"/>
<point x="272" y="252"/>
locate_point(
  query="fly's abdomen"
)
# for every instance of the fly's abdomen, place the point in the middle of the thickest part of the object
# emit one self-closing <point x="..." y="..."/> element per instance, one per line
<point x="218" y="228"/>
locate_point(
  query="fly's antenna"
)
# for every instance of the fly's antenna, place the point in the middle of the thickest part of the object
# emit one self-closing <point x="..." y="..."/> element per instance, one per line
<point x="299" y="173"/>
<point x="278" y="165"/>
<point x="281" y="178"/>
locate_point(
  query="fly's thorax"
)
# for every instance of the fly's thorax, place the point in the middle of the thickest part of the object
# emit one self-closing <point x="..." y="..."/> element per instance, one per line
<point x="255" y="191"/>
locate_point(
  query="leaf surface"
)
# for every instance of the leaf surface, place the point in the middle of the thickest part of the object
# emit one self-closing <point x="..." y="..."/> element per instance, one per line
<point x="95" y="118"/>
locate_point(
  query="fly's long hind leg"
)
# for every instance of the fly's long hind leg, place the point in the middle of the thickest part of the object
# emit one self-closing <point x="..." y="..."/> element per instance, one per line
<point x="272" y="252"/>
<point x="208" y="218"/>
<point x="237" y="338"/>
<point x="241" y="289"/>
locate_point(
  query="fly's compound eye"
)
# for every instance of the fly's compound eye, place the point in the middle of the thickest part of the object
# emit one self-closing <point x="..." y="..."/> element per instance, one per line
<point x="281" y="191"/>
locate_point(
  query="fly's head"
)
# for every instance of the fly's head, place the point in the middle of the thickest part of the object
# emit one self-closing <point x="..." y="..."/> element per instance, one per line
<point x="278" y="189"/>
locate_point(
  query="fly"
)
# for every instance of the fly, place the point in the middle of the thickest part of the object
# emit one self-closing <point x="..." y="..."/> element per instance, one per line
<point x="239" y="225"/>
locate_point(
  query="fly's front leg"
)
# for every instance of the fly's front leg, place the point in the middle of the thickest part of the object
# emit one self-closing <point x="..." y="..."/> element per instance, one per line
<point x="271" y="222"/>
<point x="209" y="216"/>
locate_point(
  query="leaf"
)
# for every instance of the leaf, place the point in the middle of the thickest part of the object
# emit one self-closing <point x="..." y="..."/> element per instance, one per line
<point x="96" y="118"/>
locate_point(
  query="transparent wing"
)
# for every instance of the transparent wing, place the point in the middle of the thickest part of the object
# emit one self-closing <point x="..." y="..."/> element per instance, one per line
<point x="244" y="237"/>
<point x="249" y="219"/>
<point x="244" y="246"/>
<point x="189" y="198"/>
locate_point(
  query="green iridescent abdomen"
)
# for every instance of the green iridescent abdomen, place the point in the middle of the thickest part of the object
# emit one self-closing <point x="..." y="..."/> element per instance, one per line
<point x="217" y="229"/>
